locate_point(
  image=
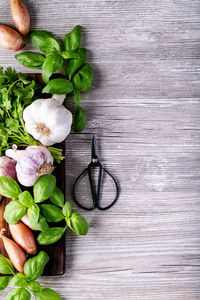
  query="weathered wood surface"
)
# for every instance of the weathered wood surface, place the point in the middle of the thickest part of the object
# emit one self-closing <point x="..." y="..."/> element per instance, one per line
<point x="145" y="110"/>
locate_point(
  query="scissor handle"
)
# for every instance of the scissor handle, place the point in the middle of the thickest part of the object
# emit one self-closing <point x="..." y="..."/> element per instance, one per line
<point x="74" y="191"/>
<point x="95" y="195"/>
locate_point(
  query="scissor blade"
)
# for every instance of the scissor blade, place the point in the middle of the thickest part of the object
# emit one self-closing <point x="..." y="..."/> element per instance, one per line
<point x="94" y="148"/>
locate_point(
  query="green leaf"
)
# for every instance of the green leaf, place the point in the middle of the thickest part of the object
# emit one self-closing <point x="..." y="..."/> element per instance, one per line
<point x="30" y="60"/>
<point x="83" y="79"/>
<point x="58" y="86"/>
<point x="19" y="294"/>
<point x="77" y="95"/>
<point x="9" y="187"/>
<point x="51" y="213"/>
<point x="74" y="64"/>
<point x="19" y="280"/>
<point x="14" y="211"/>
<point x="52" y="63"/>
<point x="57" y="197"/>
<point x="34" y="267"/>
<point x="50" y="236"/>
<point x="37" y="221"/>
<point x="34" y="287"/>
<point x="44" y="187"/>
<point x="80" y="119"/>
<point x="72" y="39"/>
<point x="79" y="224"/>
<point x="26" y="199"/>
<point x="67" y="211"/>
<point x="47" y="294"/>
<point x="45" y="41"/>
<point x="6" y="266"/>
<point x="70" y="54"/>
<point x="4" y="282"/>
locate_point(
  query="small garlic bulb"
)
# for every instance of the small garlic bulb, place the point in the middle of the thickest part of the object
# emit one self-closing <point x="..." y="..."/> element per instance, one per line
<point x="47" y="120"/>
<point x="32" y="163"/>
<point x="7" y="167"/>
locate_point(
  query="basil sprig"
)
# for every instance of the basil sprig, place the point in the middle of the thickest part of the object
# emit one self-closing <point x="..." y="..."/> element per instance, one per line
<point x="67" y="57"/>
<point x="33" y="269"/>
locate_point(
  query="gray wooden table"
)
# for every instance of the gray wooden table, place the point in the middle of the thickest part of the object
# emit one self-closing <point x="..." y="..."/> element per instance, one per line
<point x="144" y="108"/>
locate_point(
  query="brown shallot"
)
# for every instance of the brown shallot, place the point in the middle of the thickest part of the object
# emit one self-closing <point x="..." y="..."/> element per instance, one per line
<point x="23" y="236"/>
<point x="15" y="253"/>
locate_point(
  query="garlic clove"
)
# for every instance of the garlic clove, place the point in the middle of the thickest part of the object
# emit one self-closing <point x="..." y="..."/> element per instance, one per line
<point x="25" y="220"/>
<point x="8" y="167"/>
<point x="10" y="39"/>
<point x="20" y="16"/>
<point x="23" y="236"/>
<point x="15" y="254"/>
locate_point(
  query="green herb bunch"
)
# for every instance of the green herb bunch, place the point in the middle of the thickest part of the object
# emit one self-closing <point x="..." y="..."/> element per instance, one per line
<point x="40" y="215"/>
<point x="33" y="269"/>
<point x="16" y="92"/>
<point x="69" y="58"/>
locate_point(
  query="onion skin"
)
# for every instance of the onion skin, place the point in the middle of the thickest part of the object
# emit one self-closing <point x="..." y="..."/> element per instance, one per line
<point x="15" y="254"/>
<point x="10" y="39"/>
<point x="23" y="236"/>
<point x="20" y="16"/>
<point x="26" y="221"/>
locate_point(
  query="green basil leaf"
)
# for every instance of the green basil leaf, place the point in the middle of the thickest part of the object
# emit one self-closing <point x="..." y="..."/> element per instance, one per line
<point x="9" y="187"/>
<point x="57" y="197"/>
<point x="52" y="63"/>
<point x="80" y="119"/>
<point x="4" y="282"/>
<point x="44" y="187"/>
<point x="72" y="39"/>
<point x="58" y="86"/>
<point x="14" y="211"/>
<point x="6" y="266"/>
<point x="67" y="211"/>
<point x="47" y="294"/>
<point x="83" y="79"/>
<point x="50" y="236"/>
<point x="77" y="95"/>
<point x="37" y="221"/>
<point x="34" y="267"/>
<point x="19" y="280"/>
<point x="51" y="213"/>
<point x="70" y="54"/>
<point x="45" y="41"/>
<point x="34" y="287"/>
<point x="30" y="60"/>
<point x="26" y="199"/>
<point x="79" y="224"/>
<point x="19" y="294"/>
<point x="75" y="64"/>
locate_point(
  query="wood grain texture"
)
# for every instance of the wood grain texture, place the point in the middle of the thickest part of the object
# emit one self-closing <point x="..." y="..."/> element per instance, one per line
<point x="144" y="108"/>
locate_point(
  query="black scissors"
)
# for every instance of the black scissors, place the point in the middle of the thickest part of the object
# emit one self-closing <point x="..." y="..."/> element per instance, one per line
<point x="88" y="171"/>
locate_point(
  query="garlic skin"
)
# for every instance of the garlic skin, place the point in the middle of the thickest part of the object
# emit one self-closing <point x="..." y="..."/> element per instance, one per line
<point x="7" y="167"/>
<point x="47" y="120"/>
<point x="10" y="39"/>
<point x="20" y="16"/>
<point x="32" y="163"/>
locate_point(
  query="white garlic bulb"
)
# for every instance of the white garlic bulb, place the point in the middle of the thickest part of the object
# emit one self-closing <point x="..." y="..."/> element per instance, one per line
<point x="47" y="120"/>
<point x="32" y="163"/>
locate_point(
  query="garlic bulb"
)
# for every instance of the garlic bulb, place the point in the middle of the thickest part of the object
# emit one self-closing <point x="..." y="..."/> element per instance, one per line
<point x="7" y="167"/>
<point x="32" y="163"/>
<point x="47" y="120"/>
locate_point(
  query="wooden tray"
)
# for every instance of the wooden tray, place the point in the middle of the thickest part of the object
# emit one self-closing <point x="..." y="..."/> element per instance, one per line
<point x="56" y="252"/>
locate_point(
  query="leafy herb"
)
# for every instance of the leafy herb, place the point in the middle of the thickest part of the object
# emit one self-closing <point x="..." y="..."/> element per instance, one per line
<point x="72" y="39"/>
<point x="34" y="267"/>
<point x="67" y="211"/>
<point x="79" y="224"/>
<point x="26" y="199"/>
<point x="14" y="211"/>
<point x="20" y="293"/>
<point x="9" y="187"/>
<point x="4" y="282"/>
<point x="57" y="197"/>
<point x="6" y="266"/>
<point x="50" y="236"/>
<point x="44" y="187"/>
<point x="51" y="213"/>
<point x="58" y="86"/>
<point x="52" y="63"/>
<point x="45" y="41"/>
<point x="83" y="79"/>
<point x="80" y="119"/>
<point x="47" y="293"/>
<point x="31" y="60"/>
